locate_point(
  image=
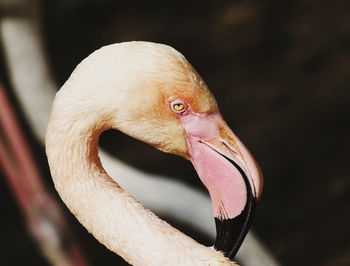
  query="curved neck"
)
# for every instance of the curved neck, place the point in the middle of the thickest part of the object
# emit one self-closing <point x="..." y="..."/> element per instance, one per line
<point x="104" y="208"/>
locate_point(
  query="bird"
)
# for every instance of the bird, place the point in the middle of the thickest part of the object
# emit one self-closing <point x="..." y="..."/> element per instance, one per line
<point x="150" y="92"/>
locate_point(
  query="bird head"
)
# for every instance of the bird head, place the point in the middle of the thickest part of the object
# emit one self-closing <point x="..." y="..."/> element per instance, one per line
<point x="150" y="91"/>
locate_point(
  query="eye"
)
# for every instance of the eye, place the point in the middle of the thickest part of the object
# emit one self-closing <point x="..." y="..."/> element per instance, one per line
<point x="179" y="107"/>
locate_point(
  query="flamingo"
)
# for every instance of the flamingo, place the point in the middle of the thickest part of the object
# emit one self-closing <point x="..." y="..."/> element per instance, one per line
<point x="150" y="92"/>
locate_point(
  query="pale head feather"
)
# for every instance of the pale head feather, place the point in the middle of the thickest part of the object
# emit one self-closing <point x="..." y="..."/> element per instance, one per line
<point x="131" y="85"/>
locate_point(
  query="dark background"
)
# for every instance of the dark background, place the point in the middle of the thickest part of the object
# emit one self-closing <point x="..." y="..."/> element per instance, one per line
<point x="280" y="71"/>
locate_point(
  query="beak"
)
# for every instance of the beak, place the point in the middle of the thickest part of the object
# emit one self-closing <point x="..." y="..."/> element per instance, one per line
<point x="230" y="174"/>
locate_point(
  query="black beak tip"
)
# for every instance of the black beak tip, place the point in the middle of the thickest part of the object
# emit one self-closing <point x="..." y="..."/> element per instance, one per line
<point x="231" y="232"/>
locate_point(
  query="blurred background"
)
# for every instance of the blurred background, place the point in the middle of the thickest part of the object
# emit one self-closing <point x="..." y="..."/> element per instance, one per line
<point x="280" y="71"/>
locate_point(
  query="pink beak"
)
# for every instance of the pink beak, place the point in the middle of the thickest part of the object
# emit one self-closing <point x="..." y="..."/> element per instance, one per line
<point x="228" y="171"/>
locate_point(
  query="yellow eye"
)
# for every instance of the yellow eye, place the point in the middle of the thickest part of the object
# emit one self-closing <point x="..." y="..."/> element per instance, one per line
<point x="179" y="107"/>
